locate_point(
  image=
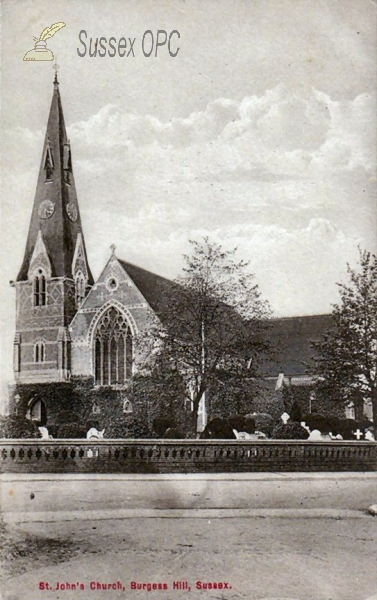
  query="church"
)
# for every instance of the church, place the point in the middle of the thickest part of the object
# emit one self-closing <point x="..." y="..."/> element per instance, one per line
<point x="74" y="350"/>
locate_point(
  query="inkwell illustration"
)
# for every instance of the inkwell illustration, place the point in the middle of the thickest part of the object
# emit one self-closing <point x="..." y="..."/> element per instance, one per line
<point x="40" y="51"/>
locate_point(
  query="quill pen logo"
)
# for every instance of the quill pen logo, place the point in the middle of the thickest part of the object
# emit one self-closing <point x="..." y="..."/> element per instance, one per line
<point x="40" y="51"/>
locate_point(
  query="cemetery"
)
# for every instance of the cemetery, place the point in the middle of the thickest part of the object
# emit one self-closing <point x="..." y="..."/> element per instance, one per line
<point x="225" y="445"/>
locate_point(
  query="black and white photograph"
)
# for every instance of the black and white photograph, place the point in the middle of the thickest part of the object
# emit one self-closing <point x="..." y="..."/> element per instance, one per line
<point x="188" y="300"/>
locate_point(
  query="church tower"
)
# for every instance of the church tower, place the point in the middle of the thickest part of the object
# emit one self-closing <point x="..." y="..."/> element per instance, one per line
<point x="55" y="276"/>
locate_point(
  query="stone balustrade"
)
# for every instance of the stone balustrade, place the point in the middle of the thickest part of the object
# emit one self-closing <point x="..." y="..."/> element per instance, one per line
<point x="184" y="456"/>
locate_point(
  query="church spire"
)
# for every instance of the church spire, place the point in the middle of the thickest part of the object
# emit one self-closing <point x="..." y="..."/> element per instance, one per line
<point x="55" y="219"/>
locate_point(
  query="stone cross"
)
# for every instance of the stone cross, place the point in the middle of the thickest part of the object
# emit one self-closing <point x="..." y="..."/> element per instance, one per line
<point x="285" y="417"/>
<point x="358" y="434"/>
<point x="113" y="248"/>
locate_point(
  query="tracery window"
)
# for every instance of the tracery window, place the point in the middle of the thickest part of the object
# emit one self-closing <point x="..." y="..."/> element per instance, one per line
<point x="39" y="286"/>
<point x="113" y="349"/>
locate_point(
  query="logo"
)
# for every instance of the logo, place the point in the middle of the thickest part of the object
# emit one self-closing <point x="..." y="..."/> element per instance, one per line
<point x="40" y="51"/>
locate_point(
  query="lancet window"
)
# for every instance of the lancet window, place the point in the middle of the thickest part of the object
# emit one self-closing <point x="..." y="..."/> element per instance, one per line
<point x="80" y="285"/>
<point x="39" y="352"/>
<point x="39" y="285"/>
<point x="113" y="349"/>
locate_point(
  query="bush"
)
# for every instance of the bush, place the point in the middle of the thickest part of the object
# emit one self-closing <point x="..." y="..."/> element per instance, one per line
<point x="161" y="424"/>
<point x="318" y="421"/>
<point x="15" y="427"/>
<point x="218" y="429"/>
<point x="295" y="412"/>
<point x="263" y="422"/>
<point x="71" y="431"/>
<point x="290" y="431"/>
<point x="346" y="427"/>
<point x="236" y="422"/>
<point x="173" y="434"/>
<point x="249" y="426"/>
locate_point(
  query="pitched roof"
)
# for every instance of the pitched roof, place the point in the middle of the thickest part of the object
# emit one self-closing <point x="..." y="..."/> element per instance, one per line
<point x="154" y="288"/>
<point x="291" y="338"/>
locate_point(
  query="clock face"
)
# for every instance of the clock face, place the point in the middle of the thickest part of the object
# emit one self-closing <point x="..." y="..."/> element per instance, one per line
<point x="46" y="209"/>
<point x="71" y="211"/>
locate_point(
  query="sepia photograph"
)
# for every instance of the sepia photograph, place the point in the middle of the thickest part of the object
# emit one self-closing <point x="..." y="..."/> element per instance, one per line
<point x="188" y="300"/>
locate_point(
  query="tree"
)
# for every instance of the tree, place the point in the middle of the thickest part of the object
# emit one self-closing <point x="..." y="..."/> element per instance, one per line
<point x="346" y="357"/>
<point x="212" y="326"/>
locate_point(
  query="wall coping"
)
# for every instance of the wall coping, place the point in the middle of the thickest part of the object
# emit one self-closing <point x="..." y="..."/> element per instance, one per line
<point x="189" y="442"/>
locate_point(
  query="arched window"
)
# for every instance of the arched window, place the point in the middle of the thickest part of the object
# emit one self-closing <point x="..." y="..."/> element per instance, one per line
<point x="127" y="407"/>
<point x="39" y="352"/>
<point x="37" y="412"/>
<point x="39" y="284"/>
<point x="113" y="349"/>
<point x="80" y="285"/>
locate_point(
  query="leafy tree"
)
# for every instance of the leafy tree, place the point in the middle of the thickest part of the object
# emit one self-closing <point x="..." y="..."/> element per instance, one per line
<point x="212" y="326"/>
<point x="346" y="357"/>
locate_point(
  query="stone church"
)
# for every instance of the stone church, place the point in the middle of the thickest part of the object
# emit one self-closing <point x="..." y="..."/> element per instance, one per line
<point x="75" y="336"/>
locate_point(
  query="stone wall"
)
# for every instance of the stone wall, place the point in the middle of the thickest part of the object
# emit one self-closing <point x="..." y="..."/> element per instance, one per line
<point x="184" y="456"/>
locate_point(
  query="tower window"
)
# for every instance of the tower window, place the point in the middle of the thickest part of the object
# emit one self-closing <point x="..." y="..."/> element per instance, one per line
<point x="113" y="349"/>
<point x="39" y="285"/>
<point x="39" y="352"/>
<point x="80" y="286"/>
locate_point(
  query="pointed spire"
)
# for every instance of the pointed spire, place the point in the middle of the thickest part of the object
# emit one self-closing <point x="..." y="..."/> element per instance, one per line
<point x="56" y="68"/>
<point x="56" y="211"/>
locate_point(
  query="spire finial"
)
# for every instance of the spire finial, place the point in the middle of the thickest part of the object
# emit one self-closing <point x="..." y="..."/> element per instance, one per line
<point x="113" y="248"/>
<point x="56" y="68"/>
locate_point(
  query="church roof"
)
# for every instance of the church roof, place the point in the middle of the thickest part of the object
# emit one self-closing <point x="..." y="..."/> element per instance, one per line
<point x="291" y="338"/>
<point x="56" y="213"/>
<point x="154" y="288"/>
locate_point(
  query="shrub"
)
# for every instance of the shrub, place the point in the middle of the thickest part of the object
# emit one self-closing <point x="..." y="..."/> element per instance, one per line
<point x="173" y="434"/>
<point x="236" y="422"/>
<point x="318" y="421"/>
<point x="15" y="427"/>
<point x="290" y="431"/>
<point x="346" y="427"/>
<point x="161" y="424"/>
<point x="295" y="412"/>
<point x="249" y="426"/>
<point x="218" y="429"/>
<point x="263" y="422"/>
<point x="71" y="431"/>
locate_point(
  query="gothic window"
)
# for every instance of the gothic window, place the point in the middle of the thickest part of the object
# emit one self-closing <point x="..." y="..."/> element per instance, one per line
<point x="113" y="349"/>
<point x="37" y="413"/>
<point x="39" y="352"/>
<point x="127" y="407"/>
<point x="80" y="285"/>
<point x="39" y="285"/>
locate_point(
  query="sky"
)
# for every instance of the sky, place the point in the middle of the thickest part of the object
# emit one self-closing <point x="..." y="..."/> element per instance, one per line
<point x="260" y="134"/>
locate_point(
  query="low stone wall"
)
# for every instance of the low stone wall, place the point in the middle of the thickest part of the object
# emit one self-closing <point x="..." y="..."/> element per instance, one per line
<point x="183" y="456"/>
